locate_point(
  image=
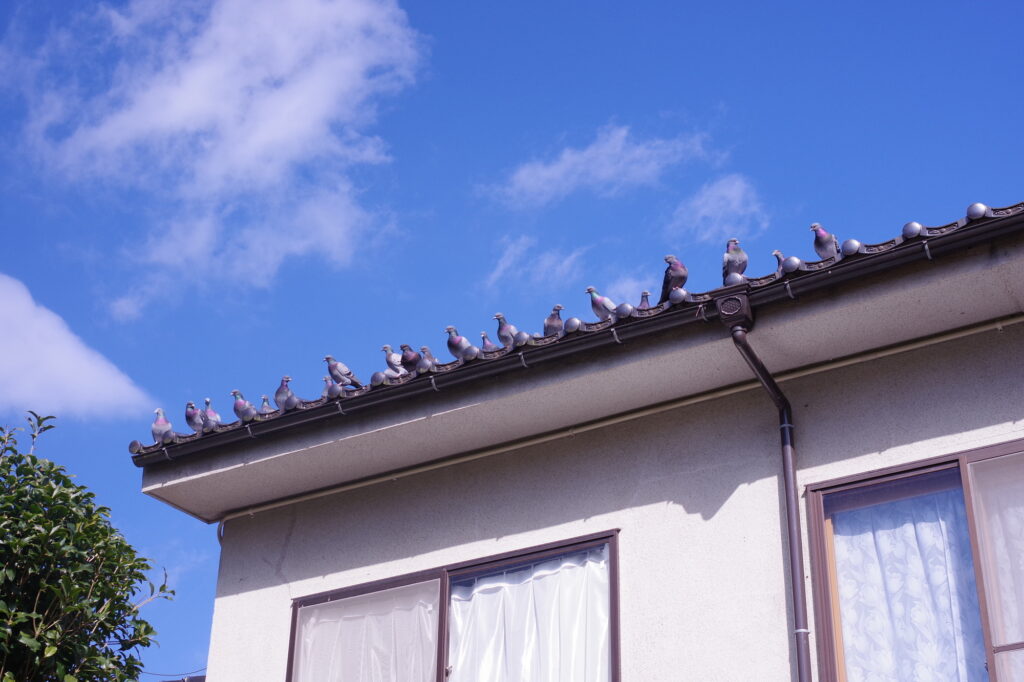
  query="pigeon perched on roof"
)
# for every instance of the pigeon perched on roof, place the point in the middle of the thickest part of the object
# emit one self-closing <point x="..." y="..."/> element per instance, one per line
<point x="506" y="331"/>
<point x="675" y="277"/>
<point x="194" y="417"/>
<point x="242" y="407"/>
<point x="734" y="263"/>
<point x="161" y="427"/>
<point x="265" y="408"/>
<point x="331" y="388"/>
<point x="780" y="258"/>
<point x="394" y="361"/>
<point x="283" y="396"/>
<point x="410" y="358"/>
<point x="428" y="363"/>
<point x="645" y="302"/>
<point x="553" y="323"/>
<point x="486" y="343"/>
<point x="340" y="373"/>
<point x="212" y="418"/>
<point x="825" y="245"/>
<point x="459" y="346"/>
<point x="602" y="306"/>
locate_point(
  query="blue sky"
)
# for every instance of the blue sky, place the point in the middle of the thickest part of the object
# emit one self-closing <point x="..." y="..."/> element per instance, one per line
<point x="198" y="197"/>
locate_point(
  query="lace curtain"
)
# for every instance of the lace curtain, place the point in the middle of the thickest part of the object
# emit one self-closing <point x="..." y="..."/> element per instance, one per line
<point x="908" y="600"/>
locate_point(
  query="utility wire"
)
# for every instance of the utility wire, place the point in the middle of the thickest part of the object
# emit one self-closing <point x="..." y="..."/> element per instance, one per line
<point x="182" y="675"/>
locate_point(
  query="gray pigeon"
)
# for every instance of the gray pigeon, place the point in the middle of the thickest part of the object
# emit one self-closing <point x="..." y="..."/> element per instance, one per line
<point x="331" y="388"/>
<point x="340" y="373"/>
<point x="553" y="323"/>
<point x="734" y="263"/>
<point x="193" y="417"/>
<point x="265" y="408"/>
<point x="675" y="277"/>
<point x="602" y="306"/>
<point x="645" y="302"/>
<point x="242" y="407"/>
<point x="161" y="427"/>
<point x="283" y="396"/>
<point x="487" y="344"/>
<point x="394" y="361"/>
<point x="779" y="257"/>
<point x="825" y="245"/>
<point x="428" y="363"/>
<point x="459" y="346"/>
<point x="506" y="331"/>
<point x="212" y="420"/>
<point x="410" y="358"/>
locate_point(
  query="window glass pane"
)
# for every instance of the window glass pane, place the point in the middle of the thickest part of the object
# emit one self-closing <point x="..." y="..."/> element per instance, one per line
<point x="385" y="636"/>
<point x="1010" y="665"/>
<point x="546" y="621"/>
<point x="997" y="488"/>
<point x="905" y="581"/>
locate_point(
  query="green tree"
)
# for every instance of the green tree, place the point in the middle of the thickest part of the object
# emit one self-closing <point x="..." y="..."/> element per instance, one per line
<point x="70" y="584"/>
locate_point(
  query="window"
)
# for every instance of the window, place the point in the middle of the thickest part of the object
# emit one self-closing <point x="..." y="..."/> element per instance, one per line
<point x="546" y="614"/>
<point x="919" y="572"/>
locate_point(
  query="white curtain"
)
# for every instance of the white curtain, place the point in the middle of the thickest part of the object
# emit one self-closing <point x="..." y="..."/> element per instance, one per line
<point x="543" y="622"/>
<point x="386" y="636"/>
<point x="998" y="486"/>
<point x="908" y="600"/>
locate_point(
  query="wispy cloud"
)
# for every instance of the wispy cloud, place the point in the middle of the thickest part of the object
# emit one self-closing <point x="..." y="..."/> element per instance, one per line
<point x="627" y="289"/>
<point x="45" y="367"/>
<point x="240" y="120"/>
<point x="522" y="262"/>
<point x="616" y="160"/>
<point x="727" y="207"/>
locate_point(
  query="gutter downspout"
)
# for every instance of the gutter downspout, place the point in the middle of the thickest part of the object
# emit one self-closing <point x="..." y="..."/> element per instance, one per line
<point x="796" y="551"/>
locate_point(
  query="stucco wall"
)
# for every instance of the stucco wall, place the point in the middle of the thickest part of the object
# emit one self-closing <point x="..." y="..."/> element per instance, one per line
<point x="695" y="491"/>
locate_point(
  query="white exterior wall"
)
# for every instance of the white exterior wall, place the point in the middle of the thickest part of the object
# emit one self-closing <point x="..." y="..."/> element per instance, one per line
<point x="696" y="492"/>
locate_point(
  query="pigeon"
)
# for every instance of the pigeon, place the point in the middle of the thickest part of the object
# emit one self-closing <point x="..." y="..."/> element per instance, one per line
<point x="553" y="323"/>
<point x="458" y="346"/>
<point x="734" y="262"/>
<point x="506" y="332"/>
<point x="331" y="388"/>
<point x="243" y="408"/>
<point x="825" y="245"/>
<point x="212" y="418"/>
<point x="675" y="277"/>
<point x="487" y="344"/>
<point x="779" y="257"/>
<point x="410" y="358"/>
<point x="340" y="373"/>
<point x="602" y="306"/>
<point x="285" y="399"/>
<point x="194" y="417"/>
<point x="428" y="363"/>
<point x="161" y="427"/>
<point x="394" y="361"/>
<point x="265" y="408"/>
<point x="645" y="302"/>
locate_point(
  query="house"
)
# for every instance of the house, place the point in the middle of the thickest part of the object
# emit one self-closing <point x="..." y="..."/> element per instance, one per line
<point x="817" y="474"/>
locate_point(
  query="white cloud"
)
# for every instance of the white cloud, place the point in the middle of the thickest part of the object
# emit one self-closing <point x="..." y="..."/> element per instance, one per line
<point x="724" y="208"/>
<point x="613" y="162"/>
<point x="45" y="367"/>
<point x="241" y="120"/>
<point x="627" y="289"/>
<point x="522" y="262"/>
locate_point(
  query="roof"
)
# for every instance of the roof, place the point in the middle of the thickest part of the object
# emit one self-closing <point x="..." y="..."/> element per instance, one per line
<point x="550" y="383"/>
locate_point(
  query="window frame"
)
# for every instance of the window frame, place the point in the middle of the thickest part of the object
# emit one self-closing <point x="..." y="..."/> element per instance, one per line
<point x="826" y="614"/>
<point x="482" y="566"/>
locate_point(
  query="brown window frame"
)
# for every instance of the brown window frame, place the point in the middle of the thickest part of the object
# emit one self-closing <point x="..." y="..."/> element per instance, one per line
<point x="489" y="564"/>
<point x="826" y="613"/>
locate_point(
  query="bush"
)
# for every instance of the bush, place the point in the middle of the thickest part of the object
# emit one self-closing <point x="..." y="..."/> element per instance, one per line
<point x="68" y="580"/>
